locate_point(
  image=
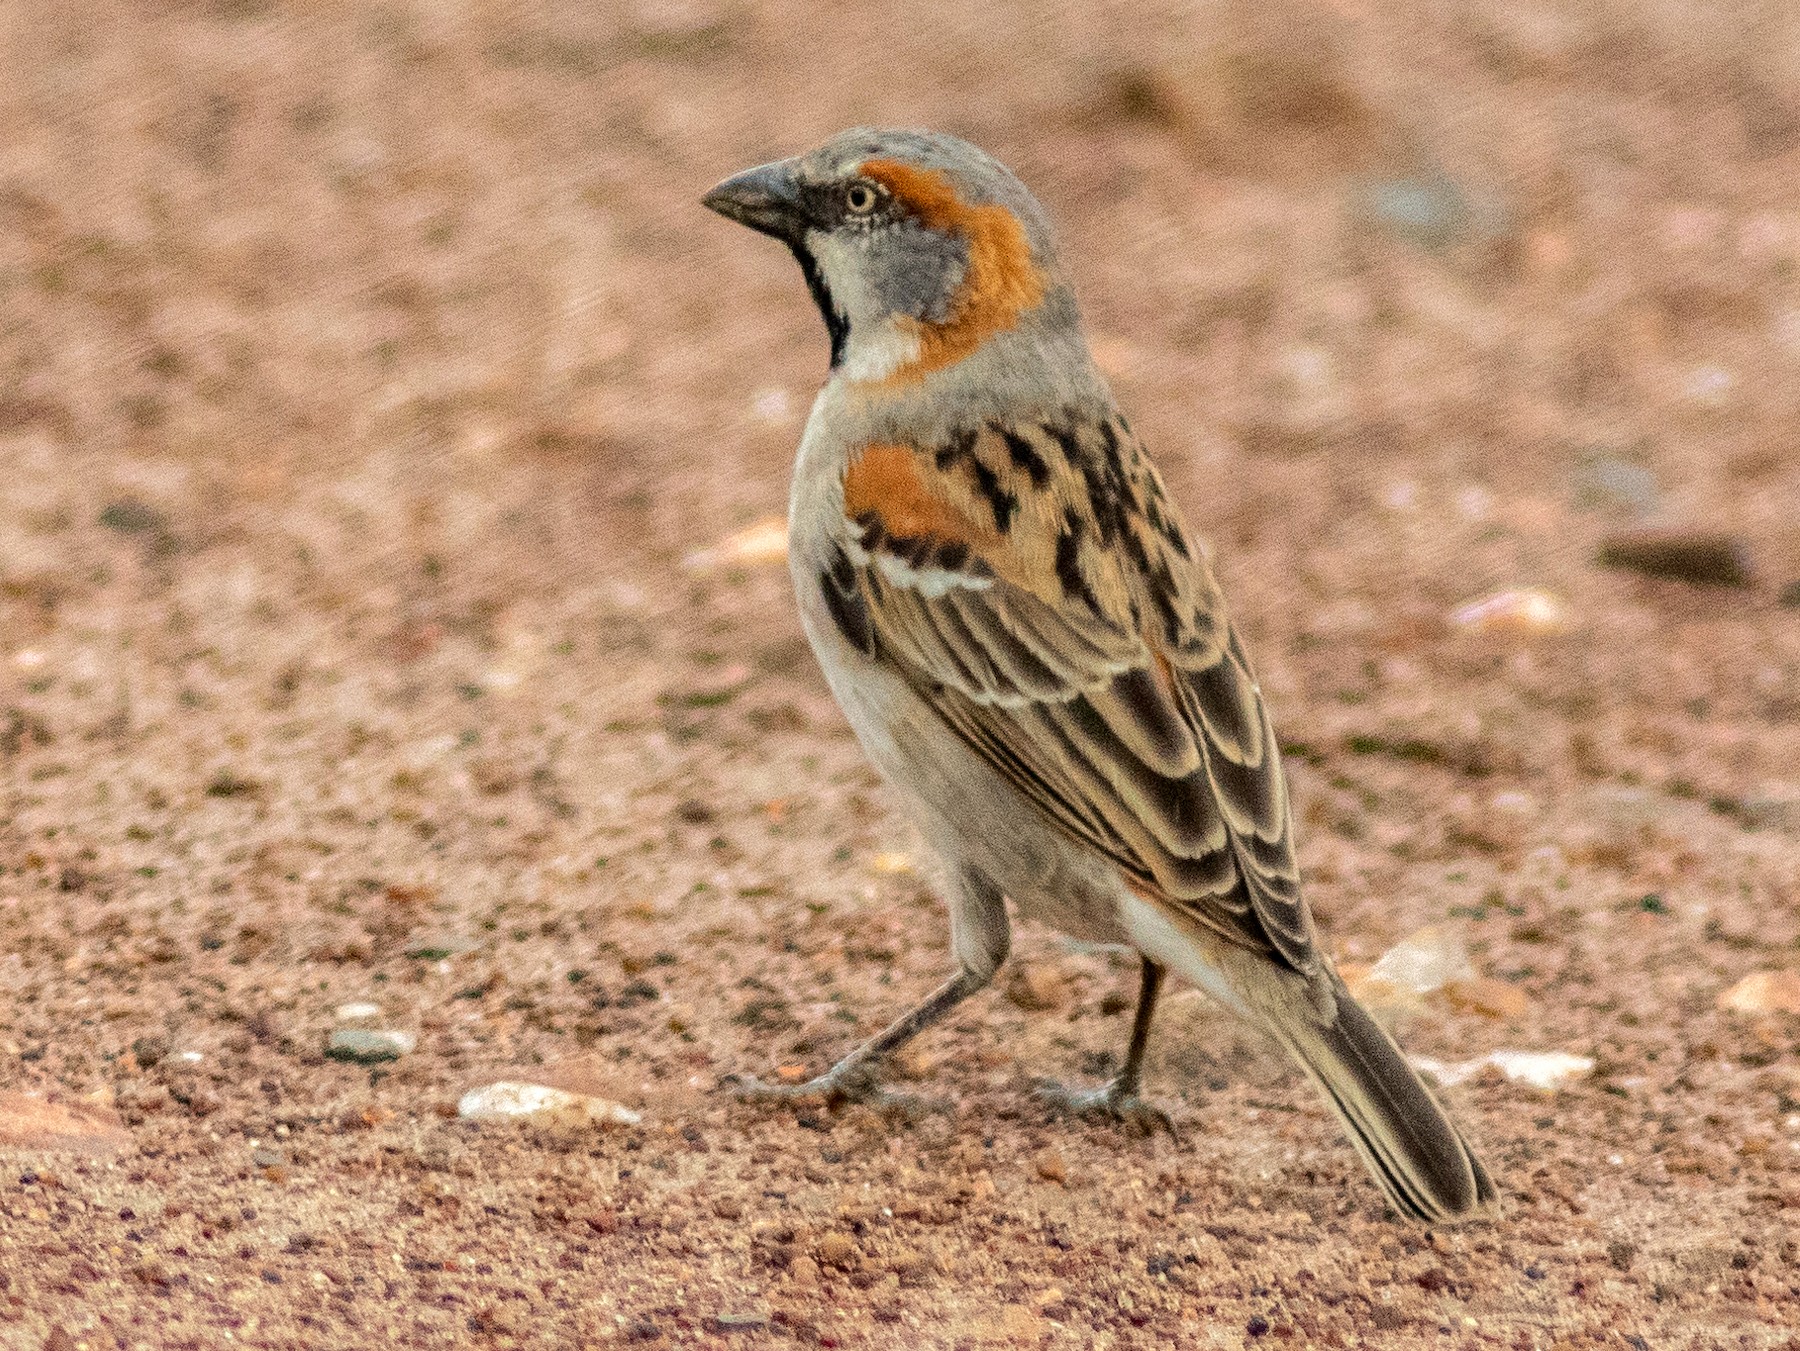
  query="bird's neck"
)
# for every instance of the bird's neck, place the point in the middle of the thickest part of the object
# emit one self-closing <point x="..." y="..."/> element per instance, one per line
<point x="887" y="375"/>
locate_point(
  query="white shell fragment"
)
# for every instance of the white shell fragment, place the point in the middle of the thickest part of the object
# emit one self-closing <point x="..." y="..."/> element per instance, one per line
<point x="1420" y="964"/>
<point x="1545" y="1070"/>
<point x="541" y="1105"/>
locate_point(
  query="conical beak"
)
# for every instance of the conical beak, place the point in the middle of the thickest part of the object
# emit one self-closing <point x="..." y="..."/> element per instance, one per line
<point x="766" y="198"/>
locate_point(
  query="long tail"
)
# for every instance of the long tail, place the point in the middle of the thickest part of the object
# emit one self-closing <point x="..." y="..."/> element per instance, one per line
<point x="1411" y="1147"/>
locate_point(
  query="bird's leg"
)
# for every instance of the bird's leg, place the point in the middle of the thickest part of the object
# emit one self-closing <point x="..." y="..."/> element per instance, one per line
<point x="853" y="1079"/>
<point x="980" y="937"/>
<point x="1119" y="1099"/>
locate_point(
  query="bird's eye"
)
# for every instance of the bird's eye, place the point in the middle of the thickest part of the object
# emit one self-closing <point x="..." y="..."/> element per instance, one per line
<point x="859" y="198"/>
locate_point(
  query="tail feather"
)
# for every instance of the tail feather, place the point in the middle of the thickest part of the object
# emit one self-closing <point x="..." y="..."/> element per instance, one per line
<point x="1412" y="1148"/>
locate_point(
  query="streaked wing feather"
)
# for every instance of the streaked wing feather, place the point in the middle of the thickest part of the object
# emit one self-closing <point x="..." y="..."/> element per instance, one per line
<point x="1020" y="757"/>
<point x="1143" y="718"/>
<point x="1026" y="671"/>
<point x="1148" y="742"/>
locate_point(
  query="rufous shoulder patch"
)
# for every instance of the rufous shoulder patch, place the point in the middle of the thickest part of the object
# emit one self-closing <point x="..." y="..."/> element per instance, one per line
<point x="886" y="482"/>
<point x="1002" y="281"/>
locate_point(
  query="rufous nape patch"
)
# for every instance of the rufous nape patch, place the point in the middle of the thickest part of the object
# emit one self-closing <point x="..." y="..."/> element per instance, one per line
<point x="1002" y="281"/>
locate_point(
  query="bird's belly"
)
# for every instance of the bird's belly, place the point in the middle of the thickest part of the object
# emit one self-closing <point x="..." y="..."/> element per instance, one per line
<point x="967" y="811"/>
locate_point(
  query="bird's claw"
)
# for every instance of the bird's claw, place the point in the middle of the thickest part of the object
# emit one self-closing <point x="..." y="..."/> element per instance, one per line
<point x="1112" y="1103"/>
<point x="833" y="1087"/>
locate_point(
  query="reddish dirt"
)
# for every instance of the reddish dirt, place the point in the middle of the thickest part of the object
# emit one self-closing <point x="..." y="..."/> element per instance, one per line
<point x="366" y="374"/>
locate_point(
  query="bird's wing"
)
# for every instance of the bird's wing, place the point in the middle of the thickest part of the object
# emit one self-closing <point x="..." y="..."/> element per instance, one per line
<point x="1035" y="585"/>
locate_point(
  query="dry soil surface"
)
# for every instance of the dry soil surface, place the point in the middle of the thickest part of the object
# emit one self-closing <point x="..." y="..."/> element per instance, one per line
<point x="367" y="374"/>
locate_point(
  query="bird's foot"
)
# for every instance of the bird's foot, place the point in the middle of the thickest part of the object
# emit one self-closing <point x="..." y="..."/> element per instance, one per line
<point x="856" y="1084"/>
<point x="1115" y="1102"/>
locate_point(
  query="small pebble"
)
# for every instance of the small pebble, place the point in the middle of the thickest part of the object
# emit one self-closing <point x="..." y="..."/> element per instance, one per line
<point x="717" y="687"/>
<point x="1764" y="992"/>
<point x="369" y="1046"/>
<point x="1769" y="811"/>
<point x="1527" y="612"/>
<point x="542" y="1105"/>
<point x="1051" y="1166"/>
<point x="1605" y="481"/>
<point x="907" y="1261"/>
<point x="438" y="947"/>
<point x="1117" y="357"/>
<point x="913" y="1062"/>
<point x="350" y="1013"/>
<point x="1430" y="212"/>
<point x="267" y="1158"/>
<point x="1020" y="1326"/>
<point x="836" y="1250"/>
<point x="762" y="544"/>
<point x="1485" y="995"/>
<point x="740" y="1322"/>
<point x="1708" y="386"/>
<point x="129" y="516"/>
<point x="1686" y="555"/>
<point x="1036" y="986"/>
<point x="1623" y="816"/>
<point x="1508" y="818"/>
<point x="1533" y="40"/>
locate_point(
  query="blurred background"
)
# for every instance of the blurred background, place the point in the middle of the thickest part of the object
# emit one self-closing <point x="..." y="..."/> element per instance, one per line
<point x="391" y="459"/>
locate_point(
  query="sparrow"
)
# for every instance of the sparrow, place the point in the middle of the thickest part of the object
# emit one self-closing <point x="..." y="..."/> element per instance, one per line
<point x="1032" y="649"/>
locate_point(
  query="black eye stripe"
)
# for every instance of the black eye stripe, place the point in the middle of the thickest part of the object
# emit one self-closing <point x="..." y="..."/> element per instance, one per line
<point x="828" y="204"/>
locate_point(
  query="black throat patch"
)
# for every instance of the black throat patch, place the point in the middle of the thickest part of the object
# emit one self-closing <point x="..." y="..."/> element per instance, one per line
<point x="837" y="326"/>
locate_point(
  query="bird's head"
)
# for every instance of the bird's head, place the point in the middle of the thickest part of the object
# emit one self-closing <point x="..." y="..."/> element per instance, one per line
<point x="918" y="247"/>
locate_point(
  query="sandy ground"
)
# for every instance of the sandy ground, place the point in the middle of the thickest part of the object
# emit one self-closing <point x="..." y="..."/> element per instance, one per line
<point x="368" y="371"/>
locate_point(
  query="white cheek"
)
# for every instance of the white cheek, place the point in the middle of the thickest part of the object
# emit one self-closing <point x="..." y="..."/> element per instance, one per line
<point x="840" y="260"/>
<point x="877" y="355"/>
<point x="877" y="345"/>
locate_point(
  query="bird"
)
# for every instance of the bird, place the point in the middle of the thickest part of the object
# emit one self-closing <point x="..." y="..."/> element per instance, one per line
<point x="1034" y="652"/>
